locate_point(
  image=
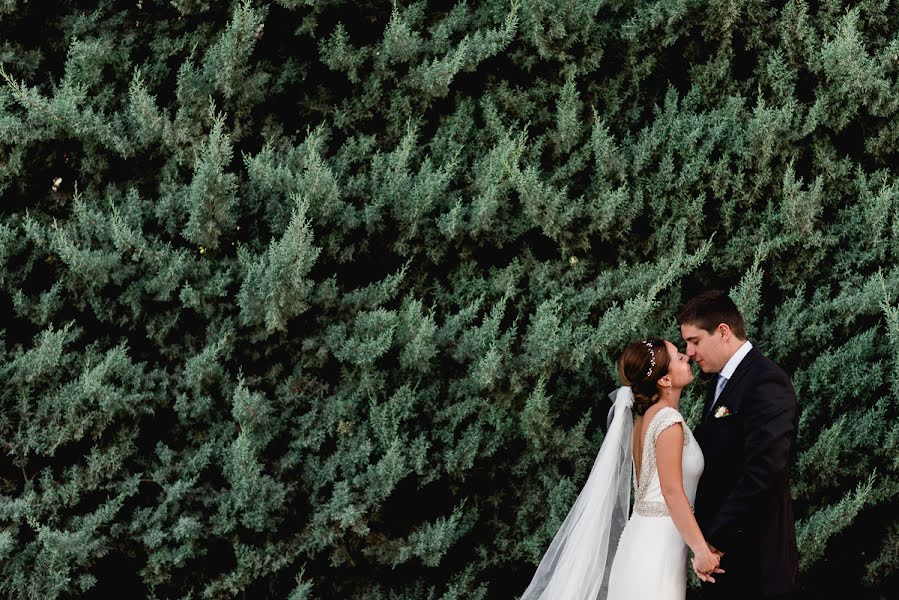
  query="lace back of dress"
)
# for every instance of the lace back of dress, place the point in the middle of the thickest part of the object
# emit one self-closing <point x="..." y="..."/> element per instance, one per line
<point x="648" y="500"/>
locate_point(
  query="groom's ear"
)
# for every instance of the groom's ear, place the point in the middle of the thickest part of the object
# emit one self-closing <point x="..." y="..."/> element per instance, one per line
<point x="724" y="331"/>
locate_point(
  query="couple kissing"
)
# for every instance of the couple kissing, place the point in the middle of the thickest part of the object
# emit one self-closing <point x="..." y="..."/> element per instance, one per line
<point x="720" y="492"/>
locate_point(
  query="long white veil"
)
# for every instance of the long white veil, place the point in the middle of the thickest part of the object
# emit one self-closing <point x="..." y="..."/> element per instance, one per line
<point x="576" y="566"/>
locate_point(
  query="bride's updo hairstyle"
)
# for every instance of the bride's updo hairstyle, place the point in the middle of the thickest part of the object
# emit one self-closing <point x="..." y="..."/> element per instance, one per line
<point x="641" y="366"/>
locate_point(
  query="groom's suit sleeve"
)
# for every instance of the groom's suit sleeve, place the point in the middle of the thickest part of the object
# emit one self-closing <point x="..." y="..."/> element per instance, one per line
<point x="769" y="413"/>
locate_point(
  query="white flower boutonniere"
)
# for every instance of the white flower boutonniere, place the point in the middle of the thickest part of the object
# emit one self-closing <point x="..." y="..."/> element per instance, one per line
<point x="722" y="411"/>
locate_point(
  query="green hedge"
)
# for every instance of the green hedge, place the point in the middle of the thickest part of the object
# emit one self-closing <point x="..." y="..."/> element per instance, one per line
<point x="320" y="299"/>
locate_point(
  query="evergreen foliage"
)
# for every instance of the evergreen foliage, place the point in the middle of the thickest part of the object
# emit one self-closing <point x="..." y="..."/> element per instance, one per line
<point x="322" y="299"/>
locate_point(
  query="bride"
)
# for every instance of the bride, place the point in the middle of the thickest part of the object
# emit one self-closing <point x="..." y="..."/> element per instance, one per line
<point x="598" y="552"/>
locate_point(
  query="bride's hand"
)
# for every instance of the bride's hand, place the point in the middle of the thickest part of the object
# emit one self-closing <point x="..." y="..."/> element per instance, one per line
<point x="706" y="564"/>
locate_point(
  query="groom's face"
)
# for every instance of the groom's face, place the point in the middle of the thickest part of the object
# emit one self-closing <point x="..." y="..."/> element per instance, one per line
<point x="705" y="349"/>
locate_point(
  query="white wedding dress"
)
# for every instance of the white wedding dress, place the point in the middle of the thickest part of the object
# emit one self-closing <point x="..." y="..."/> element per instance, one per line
<point x="651" y="560"/>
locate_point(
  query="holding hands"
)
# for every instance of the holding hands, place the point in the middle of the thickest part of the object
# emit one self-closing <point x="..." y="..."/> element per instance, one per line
<point x="706" y="563"/>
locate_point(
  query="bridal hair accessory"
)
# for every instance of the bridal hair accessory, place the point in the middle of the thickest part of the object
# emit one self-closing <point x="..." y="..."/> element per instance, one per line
<point x="652" y="357"/>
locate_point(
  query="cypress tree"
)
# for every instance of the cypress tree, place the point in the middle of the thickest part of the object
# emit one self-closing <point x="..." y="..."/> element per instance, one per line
<point x="322" y="299"/>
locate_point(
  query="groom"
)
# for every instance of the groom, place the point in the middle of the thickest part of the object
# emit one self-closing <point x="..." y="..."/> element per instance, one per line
<point x="748" y="435"/>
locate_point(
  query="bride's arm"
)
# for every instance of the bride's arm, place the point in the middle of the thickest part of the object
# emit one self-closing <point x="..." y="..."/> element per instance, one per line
<point x="669" y="451"/>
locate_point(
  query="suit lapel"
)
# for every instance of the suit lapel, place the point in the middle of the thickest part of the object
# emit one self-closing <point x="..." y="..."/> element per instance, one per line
<point x="733" y="382"/>
<point x="709" y="398"/>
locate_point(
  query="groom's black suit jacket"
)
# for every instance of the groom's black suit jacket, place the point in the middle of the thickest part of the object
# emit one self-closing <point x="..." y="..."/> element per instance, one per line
<point x="743" y="503"/>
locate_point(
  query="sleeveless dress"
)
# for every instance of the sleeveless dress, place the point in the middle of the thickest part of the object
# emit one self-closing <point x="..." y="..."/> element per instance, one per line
<point x="651" y="560"/>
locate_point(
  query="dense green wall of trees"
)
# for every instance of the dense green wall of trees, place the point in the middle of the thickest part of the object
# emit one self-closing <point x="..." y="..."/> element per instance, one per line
<point x="321" y="299"/>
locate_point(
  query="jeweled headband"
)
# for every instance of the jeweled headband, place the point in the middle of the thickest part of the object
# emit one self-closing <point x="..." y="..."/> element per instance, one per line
<point x="652" y="357"/>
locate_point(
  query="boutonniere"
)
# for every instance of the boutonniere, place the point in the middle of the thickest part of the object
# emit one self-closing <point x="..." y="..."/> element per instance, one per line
<point x="721" y="412"/>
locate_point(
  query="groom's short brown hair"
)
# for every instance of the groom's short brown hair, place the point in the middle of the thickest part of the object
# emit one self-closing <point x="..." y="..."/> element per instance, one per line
<point x="709" y="309"/>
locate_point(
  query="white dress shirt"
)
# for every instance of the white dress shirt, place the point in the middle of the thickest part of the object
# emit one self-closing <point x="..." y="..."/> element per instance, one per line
<point x="729" y="367"/>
